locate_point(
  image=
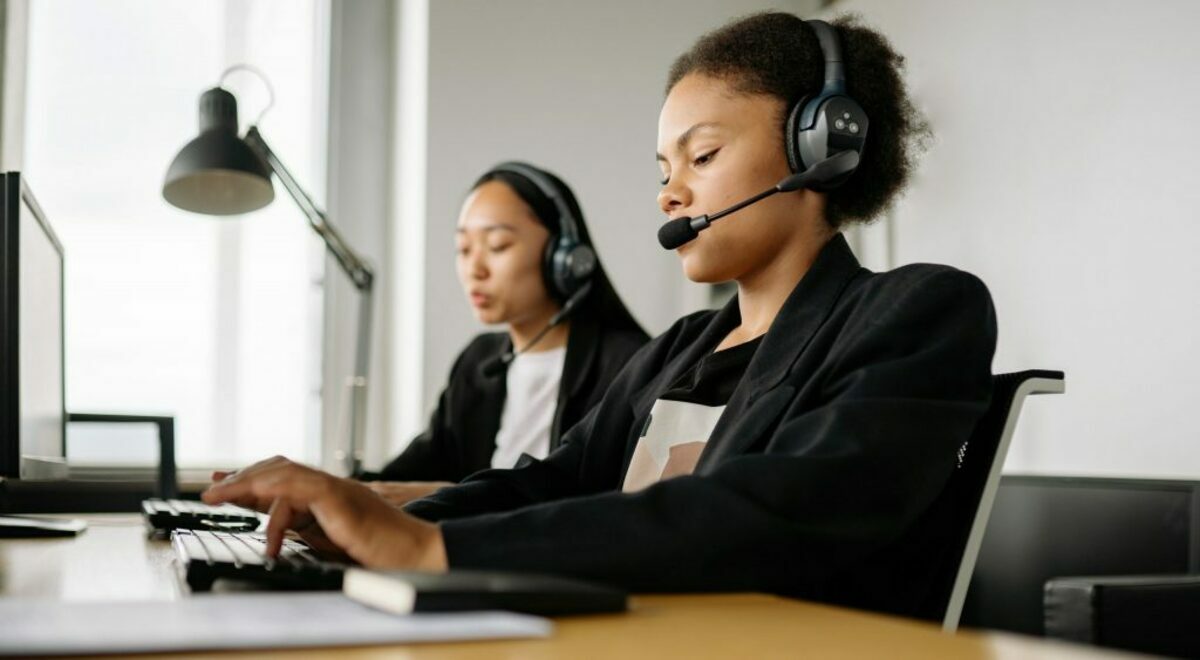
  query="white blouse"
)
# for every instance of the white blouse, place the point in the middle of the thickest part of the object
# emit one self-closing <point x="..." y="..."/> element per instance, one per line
<point x="529" y="405"/>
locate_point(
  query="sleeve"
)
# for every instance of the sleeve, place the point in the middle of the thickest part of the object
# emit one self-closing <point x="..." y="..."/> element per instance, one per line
<point x="899" y="392"/>
<point x="430" y="456"/>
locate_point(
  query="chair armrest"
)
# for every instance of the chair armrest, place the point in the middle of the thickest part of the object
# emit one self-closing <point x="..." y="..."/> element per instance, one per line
<point x="168" y="478"/>
<point x="1146" y="613"/>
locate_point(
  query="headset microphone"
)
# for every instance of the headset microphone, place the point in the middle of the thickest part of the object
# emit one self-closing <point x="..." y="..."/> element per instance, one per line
<point x="497" y="365"/>
<point x="680" y="231"/>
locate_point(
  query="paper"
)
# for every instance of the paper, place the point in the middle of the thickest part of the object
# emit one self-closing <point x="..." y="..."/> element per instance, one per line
<point x="212" y="622"/>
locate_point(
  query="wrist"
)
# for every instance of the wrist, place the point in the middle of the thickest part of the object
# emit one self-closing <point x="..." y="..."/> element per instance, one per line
<point x="433" y="550"/>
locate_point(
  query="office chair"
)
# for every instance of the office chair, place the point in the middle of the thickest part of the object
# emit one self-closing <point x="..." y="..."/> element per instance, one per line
<point x="972" y="487"/>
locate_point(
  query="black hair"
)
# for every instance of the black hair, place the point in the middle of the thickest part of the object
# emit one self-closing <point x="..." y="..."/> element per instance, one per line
<point x="603" y="305"/>
<point x="776" y="54"/>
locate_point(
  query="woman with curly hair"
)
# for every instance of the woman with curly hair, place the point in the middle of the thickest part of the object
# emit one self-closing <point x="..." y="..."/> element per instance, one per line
<point x="798" y="441"/>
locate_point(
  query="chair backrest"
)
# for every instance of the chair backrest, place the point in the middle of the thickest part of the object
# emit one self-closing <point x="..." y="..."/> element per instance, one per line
<point x="973" y="485"/>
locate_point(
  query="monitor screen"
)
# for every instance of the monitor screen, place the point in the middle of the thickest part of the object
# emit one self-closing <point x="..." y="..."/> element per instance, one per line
<point x="40" y="338"/>
<point x="32" y="424"/>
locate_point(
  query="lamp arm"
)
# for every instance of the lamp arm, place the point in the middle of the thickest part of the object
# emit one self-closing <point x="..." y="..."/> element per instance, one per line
<point x="355" y="267"/>
<point x="363" y="277"/>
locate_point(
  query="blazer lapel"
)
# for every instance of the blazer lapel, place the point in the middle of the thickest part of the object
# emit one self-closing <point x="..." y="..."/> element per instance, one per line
<point x="725" y="320"/>
<point x="745" y="422"/>
<point x="483" y="418"/>
<point x="757" y="401"/>
<point x="583" y="343"/>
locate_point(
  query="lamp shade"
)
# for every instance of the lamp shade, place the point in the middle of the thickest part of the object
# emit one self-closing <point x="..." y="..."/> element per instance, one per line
<point x="218" y="173"/>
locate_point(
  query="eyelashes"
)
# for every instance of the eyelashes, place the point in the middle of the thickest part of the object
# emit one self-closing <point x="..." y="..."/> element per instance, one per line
<point x="463" y="251"/>
<point x="699" y="161"/>
<point x="705" y="158"/>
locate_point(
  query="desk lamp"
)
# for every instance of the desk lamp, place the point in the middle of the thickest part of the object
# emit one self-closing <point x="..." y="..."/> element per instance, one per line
<point x="221" y="174"/>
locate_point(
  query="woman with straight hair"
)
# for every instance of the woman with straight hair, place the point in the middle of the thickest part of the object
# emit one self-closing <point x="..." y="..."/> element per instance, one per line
<point x="523" y="255"/>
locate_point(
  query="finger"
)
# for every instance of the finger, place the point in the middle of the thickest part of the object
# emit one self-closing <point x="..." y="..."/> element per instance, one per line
<point x="263" y="465"/>
<point x="237" y="484"/>
<point x="295" y="484"/>
<point x="242" y="492"/>
<point x="224" y="491"/>
<point x="280" y="519"/>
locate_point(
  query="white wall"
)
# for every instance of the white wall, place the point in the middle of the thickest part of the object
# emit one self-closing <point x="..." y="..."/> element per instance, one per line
<point x="1065" y="175"/>
<point x="575" y="87"/>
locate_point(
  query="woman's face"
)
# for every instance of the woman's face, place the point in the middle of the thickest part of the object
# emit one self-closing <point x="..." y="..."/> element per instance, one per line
<point x="716" y="147"/>
<point x="500" y="244"/>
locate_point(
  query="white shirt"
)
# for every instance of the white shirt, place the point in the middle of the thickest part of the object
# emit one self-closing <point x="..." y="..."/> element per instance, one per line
<point x="671" y="444"/>
<point x="529" y="406"/>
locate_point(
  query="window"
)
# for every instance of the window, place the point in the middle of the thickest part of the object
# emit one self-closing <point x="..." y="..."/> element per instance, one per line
<point x="215" y="321"/>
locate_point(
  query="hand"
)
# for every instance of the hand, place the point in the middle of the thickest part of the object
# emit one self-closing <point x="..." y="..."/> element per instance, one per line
<point x="399" y="493"/>
<point x="304" y="525"/>
<point x="346" y="513"/>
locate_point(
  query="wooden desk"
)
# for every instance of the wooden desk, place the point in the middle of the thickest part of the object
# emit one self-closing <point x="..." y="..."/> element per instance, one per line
<point x="114" y="560"/>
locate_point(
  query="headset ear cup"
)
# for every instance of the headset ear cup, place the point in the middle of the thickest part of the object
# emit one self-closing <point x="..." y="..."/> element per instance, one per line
<point x="548" y="269"/>
<point x="581" y="265"/>
<point x="791" y="136"/>
<point x="574" y="264"/>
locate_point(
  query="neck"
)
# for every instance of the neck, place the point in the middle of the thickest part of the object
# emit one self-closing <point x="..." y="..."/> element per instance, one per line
<point x="762" y="292"/>
<point x="524" y="331"/>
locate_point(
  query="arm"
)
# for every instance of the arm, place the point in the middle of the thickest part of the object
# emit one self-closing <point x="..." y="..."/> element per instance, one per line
<point x="426" y="458"/>
<point x="429" y="457"/>
<point x="399" y="493"/>
<point x="342" y="515"/>
<point x="333" y="514"/>
<point x="835" y="481"/>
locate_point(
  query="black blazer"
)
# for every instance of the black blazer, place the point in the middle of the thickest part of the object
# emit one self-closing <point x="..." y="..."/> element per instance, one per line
<point x="821" y="479"/>
<point x="461" y="437"/>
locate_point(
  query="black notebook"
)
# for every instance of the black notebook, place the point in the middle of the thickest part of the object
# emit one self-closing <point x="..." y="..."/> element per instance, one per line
<point x="404" y="592"/>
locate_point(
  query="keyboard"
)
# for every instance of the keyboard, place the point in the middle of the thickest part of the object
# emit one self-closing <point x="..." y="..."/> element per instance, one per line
<point x="169" y="515"/>
<point x="206" y="556"/>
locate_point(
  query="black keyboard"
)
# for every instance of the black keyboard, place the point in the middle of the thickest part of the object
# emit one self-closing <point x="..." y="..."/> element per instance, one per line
<point x="186" y="514"/>
<point x="206" y="556"/>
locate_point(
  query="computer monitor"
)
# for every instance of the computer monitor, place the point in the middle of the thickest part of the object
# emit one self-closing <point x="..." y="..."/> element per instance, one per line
<point x="32" y="376"/>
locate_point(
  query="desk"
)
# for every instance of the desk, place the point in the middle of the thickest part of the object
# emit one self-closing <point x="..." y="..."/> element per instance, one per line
<point x="114" y="560"/>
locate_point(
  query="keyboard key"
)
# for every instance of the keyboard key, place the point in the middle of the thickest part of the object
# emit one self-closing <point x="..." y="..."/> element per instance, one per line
<point x="241" y="551"/>
<point x="207" y="556"/>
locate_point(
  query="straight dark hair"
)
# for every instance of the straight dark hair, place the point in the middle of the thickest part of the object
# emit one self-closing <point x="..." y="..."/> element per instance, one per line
<point x="603" y="306"/>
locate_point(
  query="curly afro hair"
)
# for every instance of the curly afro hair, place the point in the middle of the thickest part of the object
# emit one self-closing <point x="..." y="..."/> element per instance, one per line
<point x="775" y="53"/>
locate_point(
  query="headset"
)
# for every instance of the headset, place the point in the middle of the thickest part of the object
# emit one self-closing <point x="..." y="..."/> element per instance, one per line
<point x="820" y="126"/>
<point x="568" y="262"/>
